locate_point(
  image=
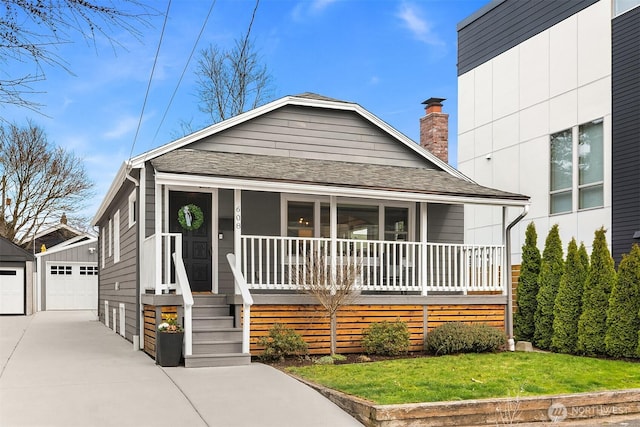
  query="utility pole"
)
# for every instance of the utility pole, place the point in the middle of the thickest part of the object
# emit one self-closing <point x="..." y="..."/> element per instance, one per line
<point x="3" y="225"/>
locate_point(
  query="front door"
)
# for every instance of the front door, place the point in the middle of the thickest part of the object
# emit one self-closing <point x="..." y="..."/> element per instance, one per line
<point x="190" y="214"/>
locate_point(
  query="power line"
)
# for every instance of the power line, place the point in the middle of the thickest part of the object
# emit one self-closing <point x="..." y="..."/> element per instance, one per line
<point x="184" y="70"/>
<point x="146" y="95"/>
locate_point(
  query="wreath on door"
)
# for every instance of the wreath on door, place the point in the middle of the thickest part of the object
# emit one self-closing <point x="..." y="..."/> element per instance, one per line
<point x="190" y="217"/>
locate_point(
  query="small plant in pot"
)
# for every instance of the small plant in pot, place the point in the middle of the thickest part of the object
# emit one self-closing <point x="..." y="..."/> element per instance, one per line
<point x="169" y="342"/>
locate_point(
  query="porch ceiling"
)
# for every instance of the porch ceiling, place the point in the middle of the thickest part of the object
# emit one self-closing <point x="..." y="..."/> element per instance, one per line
<point x="323" y="172"/>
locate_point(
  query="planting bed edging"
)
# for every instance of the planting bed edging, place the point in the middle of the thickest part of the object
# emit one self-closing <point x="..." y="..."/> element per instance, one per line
<point x="556" y="409"/>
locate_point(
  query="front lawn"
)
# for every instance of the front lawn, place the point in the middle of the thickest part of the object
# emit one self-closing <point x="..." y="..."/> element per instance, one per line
<point x="473" y="376"/>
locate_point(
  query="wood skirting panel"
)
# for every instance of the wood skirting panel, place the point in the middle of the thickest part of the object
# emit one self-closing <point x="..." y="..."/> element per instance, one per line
<point x="150" y="326"/>
<point x="311" y="322"/>
<point x="491" y="314"/>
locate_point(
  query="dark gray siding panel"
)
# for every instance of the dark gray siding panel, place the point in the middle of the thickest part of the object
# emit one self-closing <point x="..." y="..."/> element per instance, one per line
<point x="445" y="223"/>
<point x="625" y="82"/>
<point x="306" y="132"/>
<point x="225" y="245"/>
<point x="505" y="24"/>
<point x="124" y="272"/>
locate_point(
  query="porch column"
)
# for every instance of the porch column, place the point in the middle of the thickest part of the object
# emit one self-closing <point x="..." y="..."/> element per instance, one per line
<point x="423" y="247"/>
<point x="158" y="240"/>
<point x="237" y="226"/>
<point x="333" y="214"/>
<point x="503" y="263"/>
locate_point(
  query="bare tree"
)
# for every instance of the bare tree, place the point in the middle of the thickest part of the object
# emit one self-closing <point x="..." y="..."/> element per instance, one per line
<point x="331" y="288"/>
<point x="39" y="182"/>
<point x="31" y="30"/>
<point x="231" y="81"/>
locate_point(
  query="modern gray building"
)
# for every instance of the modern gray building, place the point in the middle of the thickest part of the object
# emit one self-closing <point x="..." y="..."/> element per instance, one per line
<point x="549" y="106"/>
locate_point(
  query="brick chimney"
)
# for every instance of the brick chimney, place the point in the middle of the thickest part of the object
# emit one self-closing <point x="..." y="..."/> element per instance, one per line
<point x="434" y="129"/>
<point x="63" y="219"/>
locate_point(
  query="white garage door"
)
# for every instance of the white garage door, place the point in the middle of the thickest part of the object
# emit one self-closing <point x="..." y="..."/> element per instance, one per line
<point x="11" y="290"/>
<point x="72" y="286"/>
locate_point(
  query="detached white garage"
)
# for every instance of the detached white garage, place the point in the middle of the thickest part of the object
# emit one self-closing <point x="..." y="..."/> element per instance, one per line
<point x="71" y="286"/>
<point x="12" y="290"/>
<point x="68" y="276"/>
<point x="16" y="279"/>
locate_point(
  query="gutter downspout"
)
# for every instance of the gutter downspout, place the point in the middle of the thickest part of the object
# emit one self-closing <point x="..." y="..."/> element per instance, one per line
<point x="524" y="213"/>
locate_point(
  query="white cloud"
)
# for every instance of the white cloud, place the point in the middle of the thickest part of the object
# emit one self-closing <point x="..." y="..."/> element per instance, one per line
<point x="309" y="8"/>
<point x="374" y="80"/>
<point x="122" y="127"/>
<point x="420" y="27"/>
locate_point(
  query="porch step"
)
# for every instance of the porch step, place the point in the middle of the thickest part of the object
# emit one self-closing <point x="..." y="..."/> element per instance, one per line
<point x="217" y="346"/>
<point x="204" y="299"/>
<point x="203" y="322"/>
<point x="216" y="334"/>
<point x="210" y="310"/>
<point x="215" y="360"/>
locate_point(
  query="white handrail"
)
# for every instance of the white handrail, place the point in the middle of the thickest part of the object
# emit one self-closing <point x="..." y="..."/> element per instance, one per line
<point x="185" y="290"/>
<point x="247" y="301"/>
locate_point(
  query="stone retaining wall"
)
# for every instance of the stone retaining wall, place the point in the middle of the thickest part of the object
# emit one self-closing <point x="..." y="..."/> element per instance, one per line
<point x="557" y="409"/>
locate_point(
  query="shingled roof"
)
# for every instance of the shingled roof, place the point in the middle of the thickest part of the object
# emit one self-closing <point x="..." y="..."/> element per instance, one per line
<point x="323" y="172"/>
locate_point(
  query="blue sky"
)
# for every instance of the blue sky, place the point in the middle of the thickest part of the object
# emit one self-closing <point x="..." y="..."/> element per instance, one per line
<point x="388" y="56"/>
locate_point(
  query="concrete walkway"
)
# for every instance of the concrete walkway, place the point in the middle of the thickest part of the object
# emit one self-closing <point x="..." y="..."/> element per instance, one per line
<point x="68" y="369"/>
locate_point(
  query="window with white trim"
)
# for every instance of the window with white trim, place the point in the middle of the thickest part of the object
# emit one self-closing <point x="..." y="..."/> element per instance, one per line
<point x="60" y="270"/>
<point x="622" y="6"/>
<point x="583" y="186"/>
<point x="116" y="237"/>
<point x="103" y="236"/>
<point x="133" y="208"/>
<point x="110" y="245"/>
<point x="88" y="270"/>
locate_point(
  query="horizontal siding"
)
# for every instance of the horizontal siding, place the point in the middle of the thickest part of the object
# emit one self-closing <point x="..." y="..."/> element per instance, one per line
<point x="625" y="131"/>
<point x="305" y="132"/>
<point x="445" y="223"/>
<point x="490" y="314"/>
<point x="312" y="323"/>
<point x="506" y="24"/>
<point x="124" y="272"/>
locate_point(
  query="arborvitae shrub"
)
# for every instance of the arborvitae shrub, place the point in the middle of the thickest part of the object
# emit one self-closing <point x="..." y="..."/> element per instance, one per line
<point x="551" y="270"/>
<point x="623" y="323"/>
<point x="568" y="306"/>
<point x="386" y="338"/>
<point x="282" y="342"/>
<point x="527" y="292"/>
<point x="457" y="337"/>
<point x="592" y="326"/>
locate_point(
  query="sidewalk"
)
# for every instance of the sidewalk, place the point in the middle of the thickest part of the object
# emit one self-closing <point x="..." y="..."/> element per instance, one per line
<point x="67" y="369"/>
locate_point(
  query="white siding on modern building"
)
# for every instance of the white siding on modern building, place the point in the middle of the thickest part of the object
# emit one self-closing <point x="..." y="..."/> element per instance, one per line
<point x="510" y="105"/>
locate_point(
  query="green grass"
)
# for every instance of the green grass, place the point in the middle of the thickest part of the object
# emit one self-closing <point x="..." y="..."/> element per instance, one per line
<point x="473" y="376"/>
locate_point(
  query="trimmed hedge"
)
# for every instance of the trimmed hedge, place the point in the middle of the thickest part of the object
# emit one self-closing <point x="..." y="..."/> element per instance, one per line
<point x="282" y="342"/>
<point x="386" y="338"/>
<point x="457" y="337"/>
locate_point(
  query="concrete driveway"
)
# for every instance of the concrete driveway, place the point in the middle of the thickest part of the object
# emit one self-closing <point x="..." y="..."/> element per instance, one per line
<point x="67" y="369"/>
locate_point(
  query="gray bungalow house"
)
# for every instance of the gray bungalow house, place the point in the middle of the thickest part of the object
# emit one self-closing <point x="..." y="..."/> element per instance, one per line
<point x="301" y="176"/>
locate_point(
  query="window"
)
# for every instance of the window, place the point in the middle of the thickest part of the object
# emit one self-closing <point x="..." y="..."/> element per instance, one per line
<point x="110" y="236"/>
<point x="561" y="171"/>
<point x="582" y="186"/>
<point x="590" y="165"/>
<point x="621" y="6"/>
<point x="103" y="236"/>
<point x="133" y="206"/>
<point x="61" y="270"/>
<point x="116" y="237"/>
<point x="88" y="270"/>
<point x="355" y="220"/>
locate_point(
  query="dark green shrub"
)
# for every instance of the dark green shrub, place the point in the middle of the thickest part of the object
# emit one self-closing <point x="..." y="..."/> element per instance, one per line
<point x="487" y="339"/>
<point x="527" y="291"/>
<point x="282" y="342"/>
<point x="457" y="337"/>
<point x="551" y="270"/>
<point x="386" y="338"/>
<point x="592" y="326"/>
<point x="568" y="306"/>
<point x="623" y="322"/>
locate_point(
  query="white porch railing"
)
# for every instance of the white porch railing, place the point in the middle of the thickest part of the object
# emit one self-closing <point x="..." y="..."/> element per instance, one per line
<point x="187" y="300"/>
<point x="247" y="301"/>
<point x="272" y="262"/>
